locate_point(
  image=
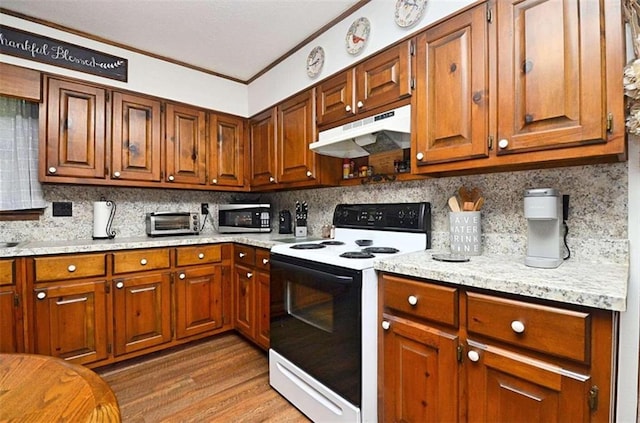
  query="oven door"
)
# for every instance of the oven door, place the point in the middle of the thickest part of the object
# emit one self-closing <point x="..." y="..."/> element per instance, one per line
<point x="316" y="321"/>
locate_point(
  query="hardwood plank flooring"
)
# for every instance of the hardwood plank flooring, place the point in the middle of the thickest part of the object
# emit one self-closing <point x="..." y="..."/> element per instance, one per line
<point x="223" y="379"/>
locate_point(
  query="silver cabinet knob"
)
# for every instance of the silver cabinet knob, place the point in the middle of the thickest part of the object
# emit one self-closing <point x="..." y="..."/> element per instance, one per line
<point x="265" y="260"/>
<point x="171" y="178"/>
<point x="214" y="181"/>
<point x="420" y="156"/>
<point x="71" y="268"/>
<point x="143" y="262"/>
<point x="52" y="169"/>
<point x="360" y="104"/>
<point x="116" y="174"/>
<point x="386" y="325"/>
<point x="517" y="326"/>
<point x="41" y="295"/>
<point x="272" y="179"/>
<point x="241" y="255"/>
<point x="503" y="143"/>
<point x="249" y="275"/>
<point x="182" y="276"/>
<point x="120" y="285"/>
<point x="201" y="256"/>
<point x="348" y="108"/>
<point x="473" y="356"/>
<point x="413" y="300"/>
<point x="309" y="173"/>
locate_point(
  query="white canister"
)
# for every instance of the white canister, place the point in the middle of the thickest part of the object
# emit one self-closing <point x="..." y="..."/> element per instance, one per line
<point x="103" y="213"/>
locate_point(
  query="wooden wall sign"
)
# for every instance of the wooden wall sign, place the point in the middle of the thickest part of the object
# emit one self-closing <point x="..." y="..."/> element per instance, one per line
<point x="39" y="48"/>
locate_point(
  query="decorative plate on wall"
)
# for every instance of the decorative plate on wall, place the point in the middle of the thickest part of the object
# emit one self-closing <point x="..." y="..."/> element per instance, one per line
<point x="315" y="61"/>
<point x="357" y="35"/>
<point x="408" y="12"/>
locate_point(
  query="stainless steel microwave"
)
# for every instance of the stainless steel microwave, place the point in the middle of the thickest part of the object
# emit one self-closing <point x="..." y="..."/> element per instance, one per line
<point x="172" y="223"/>
<point x="239" y="218"/>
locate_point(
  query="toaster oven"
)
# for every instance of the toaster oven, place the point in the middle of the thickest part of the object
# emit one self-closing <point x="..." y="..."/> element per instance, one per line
<point x="172" y="223"/>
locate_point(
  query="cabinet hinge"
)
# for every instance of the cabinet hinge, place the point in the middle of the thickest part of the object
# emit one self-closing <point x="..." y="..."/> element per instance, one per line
<point x="161" y="175"/>
<point x="108" y="96"/>
<point x="609" y="122"/>
<point x="459" y="353"/>
<point x="490" y="142"/>
<point x="162" y="108"/>
<point x="109" y="349"/>
<point x="413" y="83"/>
<point x="107" y="287"/>
<point x="593" y="398"/>
<point x="412" y="49"/>
<point x="489" y="14"/>
<point x="16" y="300"/>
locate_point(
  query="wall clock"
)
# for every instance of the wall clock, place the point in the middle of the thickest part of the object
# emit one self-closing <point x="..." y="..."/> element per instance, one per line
<point x="408" y="12"/>
<point x="357" y="35"/>
<point x="315" y="61"/>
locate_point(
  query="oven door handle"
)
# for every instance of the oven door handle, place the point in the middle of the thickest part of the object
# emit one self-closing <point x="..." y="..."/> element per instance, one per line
<point x="343" y="280"/>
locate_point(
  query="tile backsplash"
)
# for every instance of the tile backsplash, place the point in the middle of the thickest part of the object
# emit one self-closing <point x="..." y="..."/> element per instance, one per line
<point x="597" y="209"/>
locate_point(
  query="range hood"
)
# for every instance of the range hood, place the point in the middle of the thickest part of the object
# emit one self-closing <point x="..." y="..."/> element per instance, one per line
<point x="374" y="134"/>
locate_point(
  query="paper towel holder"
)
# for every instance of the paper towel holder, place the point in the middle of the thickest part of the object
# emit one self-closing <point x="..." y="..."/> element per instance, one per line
<point x="101" y="229"/>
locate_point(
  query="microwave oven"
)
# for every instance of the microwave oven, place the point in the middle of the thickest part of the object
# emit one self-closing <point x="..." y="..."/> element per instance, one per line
<point x="172" y="223"/>
<point x="240" y="218"/>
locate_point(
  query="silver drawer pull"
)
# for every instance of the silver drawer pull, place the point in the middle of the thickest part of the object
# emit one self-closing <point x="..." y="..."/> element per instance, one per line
<point x="71" y="268"/>
<point x="75" y="300"/>
<point x="41" y="295"/>
<point x="139" y="290"/>
<point x="413" y="300"/>
<point x="473" y="356"/>
<point x="386" y="325"/>
<point x="517" y="326"/>
<point x="182" y="276"/>
<point x="265" y="260"/>
<point x="201" y="256"/>
<point x="143" y="262"/>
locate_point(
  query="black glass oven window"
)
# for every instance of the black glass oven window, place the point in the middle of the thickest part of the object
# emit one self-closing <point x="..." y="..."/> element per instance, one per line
<point x="311" y="306"/>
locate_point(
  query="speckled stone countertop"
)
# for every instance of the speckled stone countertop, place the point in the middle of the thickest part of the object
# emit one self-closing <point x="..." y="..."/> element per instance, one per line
<point x="592" y="284"/>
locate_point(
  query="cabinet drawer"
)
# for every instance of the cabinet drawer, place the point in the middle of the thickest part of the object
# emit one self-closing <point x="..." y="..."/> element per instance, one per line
<point x="7" y="272"/>
<point x="139" y="260"/>
<point x="551" y="330"/>
<point x="421" y="299"/>
<point x="262" y="259"/>
<point x="69" y="267"/>
<point x="245" y="255"/>
<point x="200" y="254"/>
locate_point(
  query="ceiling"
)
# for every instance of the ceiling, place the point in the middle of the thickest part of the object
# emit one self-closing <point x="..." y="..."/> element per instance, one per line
<point x="233" y="38"/>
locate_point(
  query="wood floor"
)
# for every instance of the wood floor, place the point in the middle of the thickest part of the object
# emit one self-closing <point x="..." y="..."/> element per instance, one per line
<point x="224" y="379"/>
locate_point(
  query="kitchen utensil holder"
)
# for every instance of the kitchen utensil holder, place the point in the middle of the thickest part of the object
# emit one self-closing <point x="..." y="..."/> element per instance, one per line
<point x="465" y="234"/>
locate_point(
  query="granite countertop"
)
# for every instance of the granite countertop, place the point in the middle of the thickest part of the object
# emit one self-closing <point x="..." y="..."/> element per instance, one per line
<point x="592" y="284"/>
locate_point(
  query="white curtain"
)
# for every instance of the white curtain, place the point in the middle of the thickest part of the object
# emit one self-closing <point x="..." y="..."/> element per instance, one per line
<point x="19" y="186"/>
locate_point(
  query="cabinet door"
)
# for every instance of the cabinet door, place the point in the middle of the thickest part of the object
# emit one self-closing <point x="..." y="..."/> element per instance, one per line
<point x="11" y="331"/>
<point x="451" y="100"/>
<point x="506" y="386"/>
<point x="384" y="78"/>
<point x="75" y="135"/>
<point x="550" y="94"/>
<point x="198" y="301"/>
<point x="228" y="153"/>
<point x="420" y="373"/>
<point x="185" y="145"/>
<point x="142" y="312"/>
<point x="244" y="300"/>
<point x="263" y="318"/>
<point x="336" y="98"/>
<point x="135" y="139"/>
<point x="296" y="130"/>
<point x="71" y="321"/>
<point x="262" y="135"/>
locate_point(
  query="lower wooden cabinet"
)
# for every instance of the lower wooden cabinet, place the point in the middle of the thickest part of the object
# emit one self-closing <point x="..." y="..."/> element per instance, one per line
<point x="451" y="354"/>
<point x="11" y="330"/>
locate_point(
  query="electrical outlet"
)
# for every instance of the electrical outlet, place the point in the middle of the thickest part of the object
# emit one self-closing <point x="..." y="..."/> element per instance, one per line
<point x="62" y="208"/>
<point x="204" y="208"/>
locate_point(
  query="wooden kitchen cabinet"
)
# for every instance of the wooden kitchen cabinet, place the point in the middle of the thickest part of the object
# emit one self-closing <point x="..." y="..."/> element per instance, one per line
<point x="70" y="302"/>
<point x="263" y="298"/>
<point x="516" y="359"/>
<point x="73" y="124"/>
<point x="11" y="329"/>
<point x="379" y="81"/>
<point x="228" y="151"/>
<point x="520" y="88"/>
<point x="262" y="140"/>
<point x="135" y="138"/>
<point x="185" y="145"/>
<point x="198" y="290"/>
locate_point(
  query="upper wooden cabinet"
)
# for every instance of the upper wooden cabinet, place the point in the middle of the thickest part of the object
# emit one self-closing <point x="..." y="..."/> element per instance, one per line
<point x="378" y="81"/>
<point x="185" y="145"/>
<point x="296" y="130"/>
<point x="228" y="152"/>
<point x="535" y="82"/>
<point x="135" y="138"/>
<point x="20" y="82"/>
<point x="73" y="125"/>
<point x="262" y="140"/>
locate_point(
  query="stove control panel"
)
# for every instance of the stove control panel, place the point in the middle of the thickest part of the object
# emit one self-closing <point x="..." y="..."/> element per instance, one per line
<point x="404" y="217"/>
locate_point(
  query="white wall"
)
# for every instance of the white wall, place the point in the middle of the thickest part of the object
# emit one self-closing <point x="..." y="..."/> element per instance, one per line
<point x="146" y="75"/>
<point x="290" y="76"/>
